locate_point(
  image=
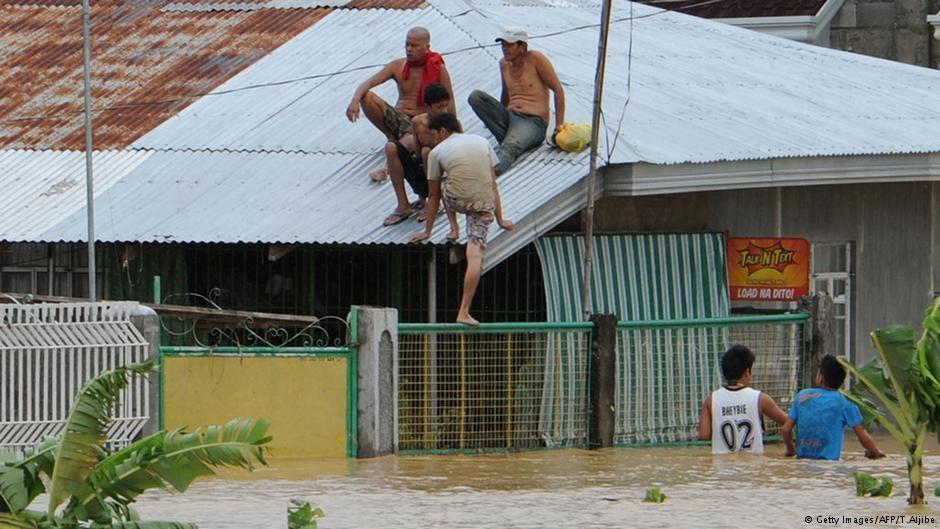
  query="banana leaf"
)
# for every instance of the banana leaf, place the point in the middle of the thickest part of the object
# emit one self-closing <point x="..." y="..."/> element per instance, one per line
<point x="897" y="343"/>
<point x="86" y="430"/>
<point x="926" y="368"/>
<point x="10" y="521"/>
<point x="122" y="477"/>
<point x="168" y="460"/>
<point x="14" y="492"/>
<point x="40" y="461"/>
<point x="190" y="455"/>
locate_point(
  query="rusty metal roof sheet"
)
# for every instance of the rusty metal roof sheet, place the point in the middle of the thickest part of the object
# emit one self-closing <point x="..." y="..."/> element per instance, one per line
<point x="147" y="66"/>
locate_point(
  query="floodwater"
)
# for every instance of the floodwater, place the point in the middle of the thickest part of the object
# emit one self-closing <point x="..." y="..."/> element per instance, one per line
<point x="558" y="488"/>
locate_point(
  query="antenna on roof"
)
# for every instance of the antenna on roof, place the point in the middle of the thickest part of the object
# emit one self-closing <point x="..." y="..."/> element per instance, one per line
<point x="89" y="180"/>
<point x="588" y="264"/>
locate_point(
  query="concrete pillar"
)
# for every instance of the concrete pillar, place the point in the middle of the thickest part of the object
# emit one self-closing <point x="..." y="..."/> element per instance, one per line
<point x="377" y="355"/>
<point x="147" y="322"/>
<point x="602" y="382"/>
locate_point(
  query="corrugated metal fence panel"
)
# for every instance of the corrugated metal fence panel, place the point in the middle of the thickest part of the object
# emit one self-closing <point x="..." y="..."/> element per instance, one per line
<point x="641" y="277"/>
<point x="638" y="277"/>
<point x="48" y="352"/>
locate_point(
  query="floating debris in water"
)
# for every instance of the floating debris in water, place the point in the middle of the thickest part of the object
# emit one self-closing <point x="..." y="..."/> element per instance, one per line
<point x="655" y="495"/>
<point x="936" y="491"/>
<point x="868" y="485"/>
<point x="302" y="515"/>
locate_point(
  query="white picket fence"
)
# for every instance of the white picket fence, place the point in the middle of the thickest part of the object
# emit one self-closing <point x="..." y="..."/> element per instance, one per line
<point x="48" y="351"/>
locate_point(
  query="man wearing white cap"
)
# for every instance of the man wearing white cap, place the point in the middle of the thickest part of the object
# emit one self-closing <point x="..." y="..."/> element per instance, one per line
<point x="520" y="118"/>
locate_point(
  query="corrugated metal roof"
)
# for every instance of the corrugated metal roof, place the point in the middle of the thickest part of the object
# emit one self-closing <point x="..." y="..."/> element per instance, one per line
<point x="43" y="189"/>
<point x="270" y="157"/>
<point x="231" y="197"/>
<point x="699" y="91"/>
<point x="309" y="115"/>
<point x="742" y="8"/>
<point x="189" y="7"/>
<point x="145" y="65"/>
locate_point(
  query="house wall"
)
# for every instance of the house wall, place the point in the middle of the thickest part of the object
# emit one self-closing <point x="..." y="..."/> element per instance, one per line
<point x="890" y="29"/>
<point x="895" y="233"/>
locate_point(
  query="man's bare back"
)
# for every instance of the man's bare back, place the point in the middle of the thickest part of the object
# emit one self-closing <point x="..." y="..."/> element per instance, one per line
<point x="524" y="87"/>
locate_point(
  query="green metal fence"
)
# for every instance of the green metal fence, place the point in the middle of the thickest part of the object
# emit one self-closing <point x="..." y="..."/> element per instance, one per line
<point x="666" y="368"/>
<point x="526" y="385"/>
<point x="497" y="387"/>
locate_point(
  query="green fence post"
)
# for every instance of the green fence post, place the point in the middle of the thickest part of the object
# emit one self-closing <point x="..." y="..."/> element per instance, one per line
<point x="352" y="385"/>
<point x="602" y="371"/>
<point x="156" y="289"/>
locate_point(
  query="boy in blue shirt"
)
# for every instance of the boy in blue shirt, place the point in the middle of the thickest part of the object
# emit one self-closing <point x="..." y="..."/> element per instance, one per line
<point x="821" y="415"/>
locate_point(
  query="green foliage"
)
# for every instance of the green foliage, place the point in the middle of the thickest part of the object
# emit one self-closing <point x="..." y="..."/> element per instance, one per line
<point x="654" y="495"/>
<point x="868" y="485"/>
<point x="904" y="381"/>
<point x="936" y="491"/>
<point x="303" y="515"/>
<point x="11" y="521"/>
<point x="86" y="431"/>
<point x="98" y="488"/>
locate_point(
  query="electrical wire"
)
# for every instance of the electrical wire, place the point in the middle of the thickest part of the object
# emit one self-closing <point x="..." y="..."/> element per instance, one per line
<point x="623" y="111"/>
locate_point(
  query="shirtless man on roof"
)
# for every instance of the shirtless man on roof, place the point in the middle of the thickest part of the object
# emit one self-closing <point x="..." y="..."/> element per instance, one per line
<point x="412" y="74"/>
<point x="519" y="119"/>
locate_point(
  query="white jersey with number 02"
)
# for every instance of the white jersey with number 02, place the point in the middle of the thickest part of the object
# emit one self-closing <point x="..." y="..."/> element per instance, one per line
<point x="736" y="423"/>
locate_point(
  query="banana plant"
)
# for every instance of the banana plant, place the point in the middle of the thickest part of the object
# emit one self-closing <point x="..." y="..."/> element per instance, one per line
<point x="900" y="389"/>
<point x="90" y="488"/>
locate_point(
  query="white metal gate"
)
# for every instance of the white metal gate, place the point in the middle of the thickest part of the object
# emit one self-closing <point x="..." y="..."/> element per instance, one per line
<point x="48" y="351"/>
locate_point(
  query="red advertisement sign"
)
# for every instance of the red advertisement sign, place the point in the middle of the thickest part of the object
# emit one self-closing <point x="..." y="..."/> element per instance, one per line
<point x="768" y="269"/>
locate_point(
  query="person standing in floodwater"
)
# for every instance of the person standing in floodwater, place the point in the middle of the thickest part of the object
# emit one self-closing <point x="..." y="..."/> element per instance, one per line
<point x="732" y="415"/>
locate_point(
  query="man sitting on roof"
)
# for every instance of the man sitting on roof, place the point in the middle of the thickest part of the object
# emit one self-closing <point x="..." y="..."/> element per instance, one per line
<point x="470" y="188"/>
<point x="412" y="74"/>
<point x="519" y="119"/>
<point x="438" y="101"/>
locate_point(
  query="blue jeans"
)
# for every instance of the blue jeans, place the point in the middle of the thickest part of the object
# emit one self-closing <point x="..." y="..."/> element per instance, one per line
<point x="515" y="132"/>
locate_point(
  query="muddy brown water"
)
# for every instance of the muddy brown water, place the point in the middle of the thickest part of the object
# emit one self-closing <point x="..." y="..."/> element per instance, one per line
<point x="559" y="488"/>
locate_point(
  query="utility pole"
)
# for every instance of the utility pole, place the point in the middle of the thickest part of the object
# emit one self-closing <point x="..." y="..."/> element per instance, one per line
<point x="588" y="264"/>
<point x="89" y="180"/>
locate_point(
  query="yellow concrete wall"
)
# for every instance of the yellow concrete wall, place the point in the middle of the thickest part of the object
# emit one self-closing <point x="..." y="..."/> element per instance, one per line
<point x="304" y="398"/>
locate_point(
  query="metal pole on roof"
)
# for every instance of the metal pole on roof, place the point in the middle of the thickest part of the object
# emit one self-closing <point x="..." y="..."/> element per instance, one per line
<point x="588" y="265"/>
<point x="89" y="180"/>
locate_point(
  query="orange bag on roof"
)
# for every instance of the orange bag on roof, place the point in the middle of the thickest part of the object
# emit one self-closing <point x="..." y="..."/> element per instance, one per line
<point x="572" y="137"/>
